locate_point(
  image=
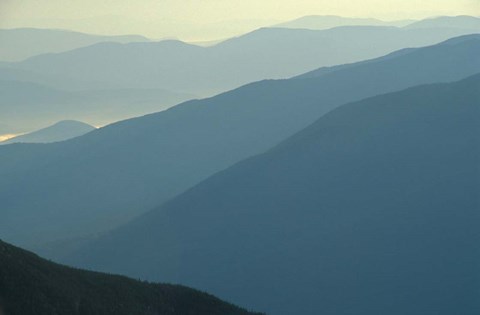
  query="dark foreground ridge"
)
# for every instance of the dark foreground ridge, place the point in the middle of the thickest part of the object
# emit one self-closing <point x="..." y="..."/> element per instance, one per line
<point x="32" y="285"/>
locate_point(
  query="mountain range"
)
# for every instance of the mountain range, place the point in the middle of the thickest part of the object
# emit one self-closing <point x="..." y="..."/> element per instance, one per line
<point x="372" y="209"/>
<point x="32" y="285"/>
<point x="103" y="179"/>
<point x="121" y="78"/>
<point x="203" y="71"/>
<point x="323" y="22"/>
<point x="325" y="165"/>
<point x="22" y="43"/>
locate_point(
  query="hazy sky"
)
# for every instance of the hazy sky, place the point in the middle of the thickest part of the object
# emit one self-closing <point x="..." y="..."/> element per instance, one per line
<point x="207" y="19"/>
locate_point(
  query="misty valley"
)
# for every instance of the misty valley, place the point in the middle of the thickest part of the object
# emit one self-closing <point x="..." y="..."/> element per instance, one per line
<point x="319" y="165"/>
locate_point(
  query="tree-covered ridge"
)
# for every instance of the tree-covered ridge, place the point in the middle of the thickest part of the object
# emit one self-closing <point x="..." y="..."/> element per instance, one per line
<point x="31" y="285"/>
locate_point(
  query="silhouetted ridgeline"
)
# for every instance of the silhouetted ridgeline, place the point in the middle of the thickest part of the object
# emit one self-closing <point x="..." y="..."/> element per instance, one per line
<point x="266" y="53"/>
<point x="21" y="43"/>
<point x="30" y="285"/>
<point x="98" y="181"/>
<point x="138" y="77"/>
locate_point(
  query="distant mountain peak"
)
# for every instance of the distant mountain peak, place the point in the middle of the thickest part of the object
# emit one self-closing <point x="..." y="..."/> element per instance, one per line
<point x="71" y="122"/>
<point x="60" y="131"/>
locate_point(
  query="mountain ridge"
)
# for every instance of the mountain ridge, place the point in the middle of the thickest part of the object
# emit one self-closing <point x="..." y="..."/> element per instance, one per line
<point x="320" y="22"/>
<point x="369" y="210"/>
<point x="215" y="139"/>
<point x="22" y="43"/>
<point x="459" y="21"/>
<point x="259" y="52"/>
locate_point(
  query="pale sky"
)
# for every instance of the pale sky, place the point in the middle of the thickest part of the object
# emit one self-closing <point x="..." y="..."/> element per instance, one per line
<point x="207" y="19"/>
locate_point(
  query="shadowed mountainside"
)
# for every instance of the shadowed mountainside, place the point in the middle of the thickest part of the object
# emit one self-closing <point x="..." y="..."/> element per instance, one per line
<point x="373" y="209"/>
